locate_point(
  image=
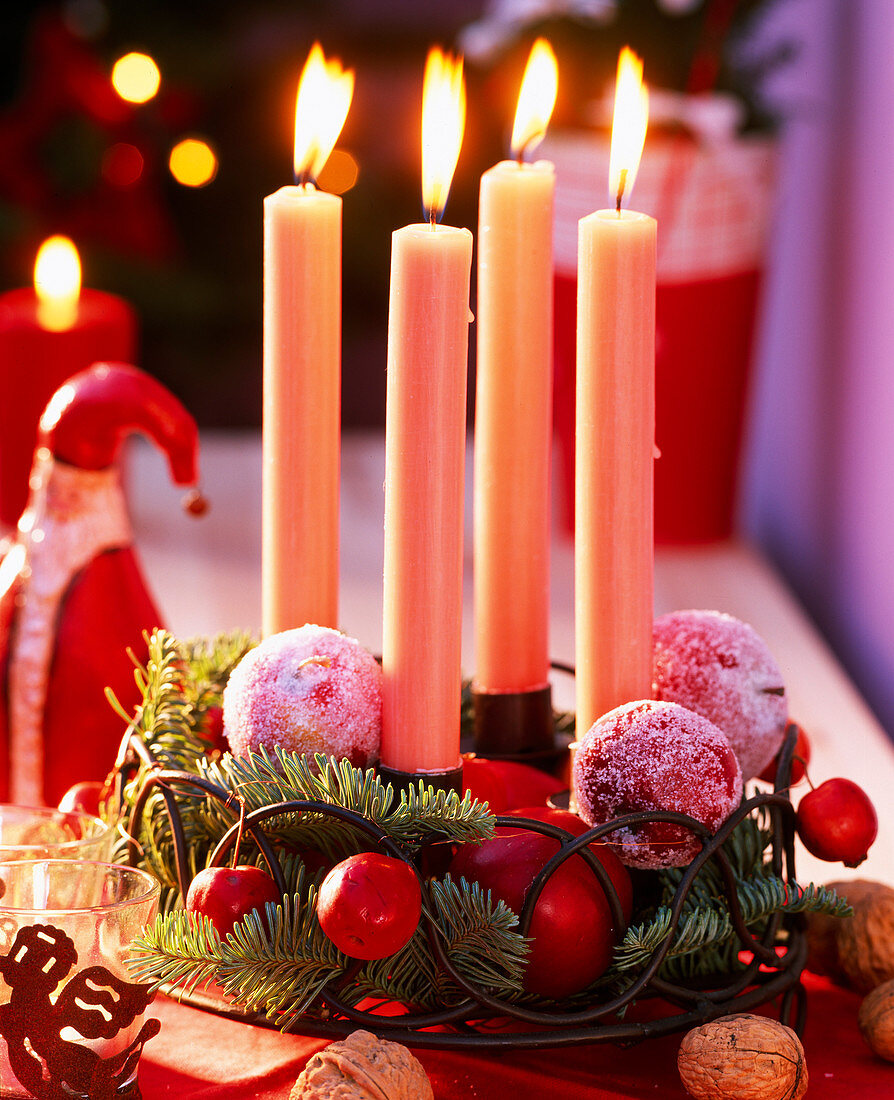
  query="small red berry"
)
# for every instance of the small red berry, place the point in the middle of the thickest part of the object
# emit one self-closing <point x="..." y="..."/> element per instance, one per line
<point x="82" y="798"/>
<point x="800" y="760"/>
<point x="227" y="894"/>
<point x="213" y="729"/>
<point x="369" y="905"/>
<point x="837" y="822"/>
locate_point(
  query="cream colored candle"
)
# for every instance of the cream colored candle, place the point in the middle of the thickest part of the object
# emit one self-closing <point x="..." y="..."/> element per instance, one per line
<point x="513" y="407"/>
<point x="615" y="401"/>
<point x="302" y="368"/>
<point x="428" y="334"/>
<point x="302" y="364"/>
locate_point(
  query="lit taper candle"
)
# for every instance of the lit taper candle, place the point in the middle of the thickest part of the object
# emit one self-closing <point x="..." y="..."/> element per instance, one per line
<point x="513" y="431"/>
<point x="302" y="367"/>
<point x="428" y="334"/>
<point x="615" y="428"/>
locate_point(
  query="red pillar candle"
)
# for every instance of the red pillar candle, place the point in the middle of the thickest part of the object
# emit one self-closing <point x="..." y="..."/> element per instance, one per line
<point x="425" y="457"/>
<point x="615" y="432"/>
<point x="302" y="367"/>
<point x="513" y="407"/>
<point x="47" y="334"/>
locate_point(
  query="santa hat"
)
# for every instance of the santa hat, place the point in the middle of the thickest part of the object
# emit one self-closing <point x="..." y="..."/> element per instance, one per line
<point x="90" y="415"/>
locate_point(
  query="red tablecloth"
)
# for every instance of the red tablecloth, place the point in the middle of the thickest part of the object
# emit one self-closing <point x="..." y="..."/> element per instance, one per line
<point x="201" y="1056"/>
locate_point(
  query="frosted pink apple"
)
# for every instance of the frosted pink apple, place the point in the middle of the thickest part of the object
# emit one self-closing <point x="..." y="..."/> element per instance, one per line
<point x="306" y="690"/>
<point x="721" y="668"/>
<point x="655" y="756"/>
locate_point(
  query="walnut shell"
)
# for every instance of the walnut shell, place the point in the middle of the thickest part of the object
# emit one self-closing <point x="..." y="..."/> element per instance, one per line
<point x="876" y="1020"/>
<point x="857" y="951"/>
<point x="742" y="1057"/>
<point x="362" y="1067"/>
<point x="822" y="930"/>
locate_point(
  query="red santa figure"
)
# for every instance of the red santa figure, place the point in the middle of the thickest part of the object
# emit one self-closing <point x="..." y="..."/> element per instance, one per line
<point x="72" y="596"/>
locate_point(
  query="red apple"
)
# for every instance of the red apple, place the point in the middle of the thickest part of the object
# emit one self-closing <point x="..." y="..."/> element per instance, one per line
<point x="575" y="825"/>
<point x="369" y="905"/>
<point x="82" y="798"/>
<point x="572" y="930"/>
<point x="837" y="822"/>
<point x="227" y="894"/>
<point x="506" y="784"/>
<point x="483" y="783"/>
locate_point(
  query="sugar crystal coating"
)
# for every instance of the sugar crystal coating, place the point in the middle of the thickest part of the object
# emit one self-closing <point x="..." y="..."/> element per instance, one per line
<point x="655" y="756"/>
<point x="721" y="668"/>
<point x="307" y="690"/>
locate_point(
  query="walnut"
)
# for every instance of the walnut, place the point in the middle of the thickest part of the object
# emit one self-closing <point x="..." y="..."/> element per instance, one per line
<point x="743" y="1057"/>
<point x="362" y="1067"/>
<point x="876" y="1020"/>
<point x="858" y="950"/>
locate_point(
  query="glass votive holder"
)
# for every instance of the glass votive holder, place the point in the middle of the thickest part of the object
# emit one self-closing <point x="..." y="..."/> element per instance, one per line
<point x="40" y="832"/>
<point x="71" y="1021"/>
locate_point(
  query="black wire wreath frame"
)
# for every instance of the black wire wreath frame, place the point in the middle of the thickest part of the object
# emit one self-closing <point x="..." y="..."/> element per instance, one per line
<point x="771" y="973"/>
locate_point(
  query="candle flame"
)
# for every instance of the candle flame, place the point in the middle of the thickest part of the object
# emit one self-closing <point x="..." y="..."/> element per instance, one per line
<point x="443" y="121"/>
<point x="628" y="127"/>
<point x="324" y="97"/>
<point x="57" y="283"/>
<point x="536" y="99"/>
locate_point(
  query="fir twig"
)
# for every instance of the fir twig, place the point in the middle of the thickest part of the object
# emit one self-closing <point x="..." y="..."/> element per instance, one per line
<point x="709" y="926"/>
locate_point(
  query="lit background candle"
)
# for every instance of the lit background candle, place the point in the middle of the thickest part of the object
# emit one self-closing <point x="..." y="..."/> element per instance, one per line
<point x="302" y="367"/>
<point x="615" y="428"/>
<point x="47" y="334"/>
<point x="425" y="455"/>
<point x="513" y="426"/>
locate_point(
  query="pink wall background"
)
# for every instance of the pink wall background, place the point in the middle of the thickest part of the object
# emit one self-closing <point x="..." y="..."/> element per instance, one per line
<point x="819" y="477"/>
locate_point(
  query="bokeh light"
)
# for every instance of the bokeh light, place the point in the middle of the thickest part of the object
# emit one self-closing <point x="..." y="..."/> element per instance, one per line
<point x="193" y="162"/>
<point x="339" y="173"/>
<point x="135" y="77"/>
<point x="122" y="164"/>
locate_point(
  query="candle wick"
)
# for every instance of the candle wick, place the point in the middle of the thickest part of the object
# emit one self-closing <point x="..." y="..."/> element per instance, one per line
<point x="526" y="145"/>
<point x="622" y="183"/>
<point x="433" y="217"/>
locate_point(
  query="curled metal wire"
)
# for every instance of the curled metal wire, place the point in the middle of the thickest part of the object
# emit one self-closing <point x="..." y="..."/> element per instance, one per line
<point x="771" y="973"/>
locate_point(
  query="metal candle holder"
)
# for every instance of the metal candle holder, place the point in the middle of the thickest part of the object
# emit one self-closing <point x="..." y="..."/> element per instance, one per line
<point x="769" y="973"/>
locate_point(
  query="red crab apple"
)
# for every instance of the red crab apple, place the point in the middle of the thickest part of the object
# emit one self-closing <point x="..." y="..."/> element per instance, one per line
<point x="227" y="894"/>
<point x="82" y="798"/>
<point x="837" y="822"/>
<point x="572" y="930"/>
<point x="800" y="760"/>
<point x="369" y="905"/>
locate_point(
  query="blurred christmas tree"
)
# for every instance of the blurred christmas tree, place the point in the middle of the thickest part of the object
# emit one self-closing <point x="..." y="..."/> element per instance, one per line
<point x="76" y="157"/>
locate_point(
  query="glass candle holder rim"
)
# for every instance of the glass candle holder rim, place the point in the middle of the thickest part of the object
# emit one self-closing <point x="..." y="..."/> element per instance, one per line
<point x="49" y="812"/>
<point x="153" y="886"/>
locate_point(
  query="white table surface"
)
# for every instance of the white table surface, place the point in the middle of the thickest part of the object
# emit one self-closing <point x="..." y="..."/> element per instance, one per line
<point x="206" y="576"/>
